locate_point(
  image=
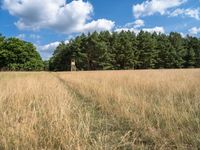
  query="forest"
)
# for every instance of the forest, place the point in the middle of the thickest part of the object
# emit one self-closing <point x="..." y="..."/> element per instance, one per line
<point x="105" y="51"/>
<point x="126" y="50"/>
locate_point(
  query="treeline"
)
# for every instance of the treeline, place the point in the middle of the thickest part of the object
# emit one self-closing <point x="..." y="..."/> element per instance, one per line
<point x="126" y="50"/>
<point x="18" y="55"/>
<point x="105" y="51"/>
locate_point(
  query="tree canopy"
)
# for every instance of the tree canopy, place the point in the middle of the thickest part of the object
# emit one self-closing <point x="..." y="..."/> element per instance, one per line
<point x="18" y="55"/>
<point x="126" y="50"/>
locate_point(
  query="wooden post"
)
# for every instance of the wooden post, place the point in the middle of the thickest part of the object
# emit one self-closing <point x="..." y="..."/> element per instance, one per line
<point x="73" y="65"/>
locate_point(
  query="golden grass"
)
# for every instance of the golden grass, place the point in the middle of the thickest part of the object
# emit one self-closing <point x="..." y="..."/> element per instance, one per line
<point x="37" y="112"/>
<point x="100" y="110"/>
<point x="162" y="107"/>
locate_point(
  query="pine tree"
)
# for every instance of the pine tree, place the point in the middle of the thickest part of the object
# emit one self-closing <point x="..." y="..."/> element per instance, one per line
<point x="166" y="57"/>
<point x="147" y="50"/>
<point x="194" y="43"/>
<point x="108" y="57"/>
<point x="124" y="51"/>
<point x="178" y="44"/>
<point x="190" y="58"/>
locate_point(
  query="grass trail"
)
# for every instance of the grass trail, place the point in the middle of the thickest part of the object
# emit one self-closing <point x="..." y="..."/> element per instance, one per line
<point x="106" y="130"/>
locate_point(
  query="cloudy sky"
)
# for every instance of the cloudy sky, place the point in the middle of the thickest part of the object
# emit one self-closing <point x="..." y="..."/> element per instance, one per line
<point x="47" y="22"/>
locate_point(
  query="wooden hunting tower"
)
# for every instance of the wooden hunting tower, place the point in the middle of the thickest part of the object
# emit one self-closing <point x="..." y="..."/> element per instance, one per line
<point x="73" y="65"/>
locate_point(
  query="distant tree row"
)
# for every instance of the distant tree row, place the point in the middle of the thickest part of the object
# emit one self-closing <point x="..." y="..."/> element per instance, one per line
<point x="126" y="50"/>
<point x="18" y="55"/>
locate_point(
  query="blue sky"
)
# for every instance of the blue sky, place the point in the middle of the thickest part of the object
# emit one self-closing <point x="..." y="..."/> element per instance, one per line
<point x="46" y="23"/>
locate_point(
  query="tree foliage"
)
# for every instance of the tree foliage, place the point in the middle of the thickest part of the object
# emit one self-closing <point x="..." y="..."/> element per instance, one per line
<point x="18" y="55"/>
<point x="126" y="50"/>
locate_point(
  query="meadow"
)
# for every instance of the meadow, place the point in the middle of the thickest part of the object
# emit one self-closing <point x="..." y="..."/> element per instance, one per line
<point x="136" y="109"/>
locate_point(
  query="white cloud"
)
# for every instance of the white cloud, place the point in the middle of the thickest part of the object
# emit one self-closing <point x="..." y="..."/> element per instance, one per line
<point x="133" y="27"/>
<point x="136" y="24"/>
<point x="47" y="50"/>
<point x="193" y="13"/>
<point x="99" y="25"/>
<point x="150" y="7"/>
<point x="55" y="14"/>
<point x="48" y="47"/>
<point x="151" y="30"/>
<point x="155" y="29"/>
<point x="194" y="30"/>
<point x="183" y="34"/>
<point x="29" y="36"/>
<point x="136" y="31"/>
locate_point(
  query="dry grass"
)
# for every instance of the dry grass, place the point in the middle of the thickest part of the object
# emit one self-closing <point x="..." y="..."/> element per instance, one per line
<point x="37" y="112"/>
<point x="162" y="107"/>
<point x="100" y="110"/>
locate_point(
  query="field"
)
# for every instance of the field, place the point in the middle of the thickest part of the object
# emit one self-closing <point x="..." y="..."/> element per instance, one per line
<point x="144" y="109"/>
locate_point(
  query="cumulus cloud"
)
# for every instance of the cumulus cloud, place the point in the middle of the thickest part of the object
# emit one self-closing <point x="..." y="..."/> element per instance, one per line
<point x="136" y="24"/>
<point x="99" y="25"/>
<point x="151" y="30"/>
<point x="194" y="30"/>
<point x="47" y="50"/>
<point x="150" y="7"/>
<point x="136" y="31"/>
<point x="193" y="13"/>
<point x="133" y="26"/>
<point x="48" y="47"/>
<point x="29" y="36"/>
<point x="183" y="34"/>
<point x="155" y="29"/>
<point x="56" y="14"/>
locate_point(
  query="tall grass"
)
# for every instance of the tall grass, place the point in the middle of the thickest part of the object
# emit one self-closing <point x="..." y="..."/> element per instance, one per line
<point x="100" y="110"/>
<point x="37" y="112"/>
<point x="162" y="107"/>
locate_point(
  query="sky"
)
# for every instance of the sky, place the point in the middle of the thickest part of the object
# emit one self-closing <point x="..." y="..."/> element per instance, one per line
<point x="46" y="23"/>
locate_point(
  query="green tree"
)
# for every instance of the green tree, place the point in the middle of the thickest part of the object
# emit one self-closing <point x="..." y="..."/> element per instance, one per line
<point x="124" y="50"/>
<point x="108" y="57"/>
<point x="147" y="50"/>
<point x="178" y="44"/>
<point x="79" y="52"/>
<point x="193" y="44"/>
<point x="17" y="55"/>
<point x="166" y="57"/>
<point x="61" y="58"/>
<point x="46" y="65"/>
<point x="96" y="52"/>
<point x="189" y="58"/>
